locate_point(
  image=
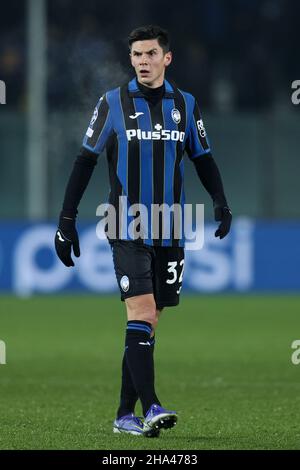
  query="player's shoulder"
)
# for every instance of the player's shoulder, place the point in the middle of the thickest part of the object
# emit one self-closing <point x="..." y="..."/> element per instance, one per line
<point x="189" y="100"/>
<point x="187" y="96"/>
<point x="115" y="93"/>
<point x="112" y="92"/>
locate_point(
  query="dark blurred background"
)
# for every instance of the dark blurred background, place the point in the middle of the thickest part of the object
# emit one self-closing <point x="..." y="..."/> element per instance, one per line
<point x="238" y="54"/>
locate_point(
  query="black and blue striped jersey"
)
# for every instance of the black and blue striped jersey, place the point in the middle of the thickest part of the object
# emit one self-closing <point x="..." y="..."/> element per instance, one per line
<point x="145" y="144"/>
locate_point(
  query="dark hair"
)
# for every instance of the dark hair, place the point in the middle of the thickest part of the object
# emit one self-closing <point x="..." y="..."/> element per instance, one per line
<point x="150" y="32"/>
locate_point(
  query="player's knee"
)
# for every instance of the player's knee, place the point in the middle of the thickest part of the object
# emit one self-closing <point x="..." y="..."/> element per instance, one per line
<point x="143" y="309"/>
<point x="159" y="312"/>
<point x="148" y="315"/>
<point x="154" y="321"/>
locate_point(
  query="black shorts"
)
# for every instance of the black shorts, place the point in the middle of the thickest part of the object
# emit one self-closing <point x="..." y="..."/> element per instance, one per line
<point x="143" y="269"/>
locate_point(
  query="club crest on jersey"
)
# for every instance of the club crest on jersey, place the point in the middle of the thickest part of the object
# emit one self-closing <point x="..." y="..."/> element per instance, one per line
<point x="124" y="283"/>
<point x="176" y="116"/>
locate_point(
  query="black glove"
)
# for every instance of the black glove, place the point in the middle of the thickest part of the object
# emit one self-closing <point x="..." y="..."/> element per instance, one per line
<point x="66" y="236"/>
<point x="223" y="215"/>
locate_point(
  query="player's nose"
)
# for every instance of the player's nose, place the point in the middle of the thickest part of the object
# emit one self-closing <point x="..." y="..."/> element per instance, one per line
<point x="143" y="60"/>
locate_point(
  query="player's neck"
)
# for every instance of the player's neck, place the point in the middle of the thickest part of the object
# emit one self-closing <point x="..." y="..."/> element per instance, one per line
<point x="147" y="91"/>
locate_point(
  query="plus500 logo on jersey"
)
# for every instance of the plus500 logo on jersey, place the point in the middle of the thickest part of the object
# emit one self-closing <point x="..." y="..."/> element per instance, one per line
<point x="163" y="134"/>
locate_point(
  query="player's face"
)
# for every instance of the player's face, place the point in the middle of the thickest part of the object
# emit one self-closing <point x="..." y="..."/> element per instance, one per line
<point x="149" y="61"/>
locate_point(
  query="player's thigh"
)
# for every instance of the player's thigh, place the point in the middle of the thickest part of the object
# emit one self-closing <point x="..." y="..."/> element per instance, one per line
<point x="168" y="275"/>
<point x="133" y="269"/>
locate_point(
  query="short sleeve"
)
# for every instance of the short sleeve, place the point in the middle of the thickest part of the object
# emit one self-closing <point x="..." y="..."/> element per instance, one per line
<point x="100" y="127"/>
<point x="197" y="142"/>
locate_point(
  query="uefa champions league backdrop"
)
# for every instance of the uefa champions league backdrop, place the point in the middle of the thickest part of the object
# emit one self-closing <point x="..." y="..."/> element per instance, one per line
<point x="247" y="260"/>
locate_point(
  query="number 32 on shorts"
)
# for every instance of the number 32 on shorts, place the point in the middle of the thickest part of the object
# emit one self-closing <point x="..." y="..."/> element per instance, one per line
<point x="174" y="269"/>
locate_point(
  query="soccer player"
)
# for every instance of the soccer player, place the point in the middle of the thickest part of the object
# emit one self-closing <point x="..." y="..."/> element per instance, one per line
<point x="146" y="126"/>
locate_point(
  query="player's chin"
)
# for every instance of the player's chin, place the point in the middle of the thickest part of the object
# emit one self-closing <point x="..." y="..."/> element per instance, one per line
<point x="146" y="79"/>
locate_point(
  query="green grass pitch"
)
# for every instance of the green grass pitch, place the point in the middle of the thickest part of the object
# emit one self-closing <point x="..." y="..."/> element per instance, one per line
<point x="223" y="362"/>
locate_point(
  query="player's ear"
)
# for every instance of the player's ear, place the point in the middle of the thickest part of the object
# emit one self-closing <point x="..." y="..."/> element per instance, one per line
<point x="130" y="58"/>
<point x="168" y="58"/>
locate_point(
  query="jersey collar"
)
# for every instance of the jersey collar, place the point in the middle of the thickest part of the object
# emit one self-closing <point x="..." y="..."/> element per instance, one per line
<point x="134" y="90"/>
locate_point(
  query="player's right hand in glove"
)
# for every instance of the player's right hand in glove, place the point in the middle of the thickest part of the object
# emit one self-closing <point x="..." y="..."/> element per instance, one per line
<point x="223" y="215"/>
<point x="66" y="237"/>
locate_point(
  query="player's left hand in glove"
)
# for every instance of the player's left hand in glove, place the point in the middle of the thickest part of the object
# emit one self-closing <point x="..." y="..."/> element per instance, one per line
<point x="223" y="215"/>
<point x="66" y="237"/>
